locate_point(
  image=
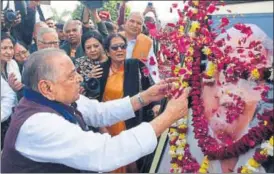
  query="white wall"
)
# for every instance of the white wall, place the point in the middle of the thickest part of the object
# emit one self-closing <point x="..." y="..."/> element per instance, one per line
<point x="246" y="8"/>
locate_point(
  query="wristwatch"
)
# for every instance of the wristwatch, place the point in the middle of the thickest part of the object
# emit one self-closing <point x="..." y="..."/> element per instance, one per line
<point x="140" y="100"/>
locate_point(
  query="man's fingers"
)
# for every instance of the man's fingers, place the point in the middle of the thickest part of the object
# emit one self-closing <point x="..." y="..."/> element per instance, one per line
<point x="169" y="80"/>
<point x="183" y="94"/>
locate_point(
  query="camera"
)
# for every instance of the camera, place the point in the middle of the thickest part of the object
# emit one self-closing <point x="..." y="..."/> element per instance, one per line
<point x="10" y="17"/>
<point x="92" y="87"/>
<point x="92" y="4"/>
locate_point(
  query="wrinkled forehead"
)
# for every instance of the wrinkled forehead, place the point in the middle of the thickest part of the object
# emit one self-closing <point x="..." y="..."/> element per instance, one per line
<point x="72" y="25"/>
<point x="136" y="16"/>
<point x="40" y="25"/>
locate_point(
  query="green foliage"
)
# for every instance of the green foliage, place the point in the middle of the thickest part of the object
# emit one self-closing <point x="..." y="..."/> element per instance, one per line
<point x="60" y="18"/>
<point x="77" y="13"/>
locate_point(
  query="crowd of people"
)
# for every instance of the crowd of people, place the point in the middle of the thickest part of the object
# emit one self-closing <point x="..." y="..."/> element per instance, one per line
<point x="50" y="70"/>
<point x="87" y="96"/>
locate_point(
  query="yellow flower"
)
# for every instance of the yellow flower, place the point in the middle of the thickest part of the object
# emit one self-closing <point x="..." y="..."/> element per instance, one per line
<point x="177" y="85"/>
<point x="184" y="84"/>
<point x="180" y="157"/>
<point x="271" y="140"/>
<point x="176" y="70"/>
<point x="196" y="3"/>
<point x="173" y="148"/>
<point x="182" y="136"/>
<point x="182" y="126"/>
<point x="263" y="152"/>
<point x="265" y="123"/>
<point x="206" y="51"/>
<point x="245" y="170"/>
<point x="202" y="170"/>
<point x="189" y="59"/>
<point x="255" y="74"/>
<point x="195" y="10"/>
<point x="181" y="29"/>
<point x="253" y="163"/>
<point x="171" y="130"/>
<point x="194" y="26"/>
<point x="211" y="69"/>
<point x="191" y="50"/>
<point x="174" y="165"/>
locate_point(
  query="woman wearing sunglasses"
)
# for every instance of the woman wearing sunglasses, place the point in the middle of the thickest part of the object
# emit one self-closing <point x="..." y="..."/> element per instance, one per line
<point x="89" y="65"/>
<point x="122" y="78"/>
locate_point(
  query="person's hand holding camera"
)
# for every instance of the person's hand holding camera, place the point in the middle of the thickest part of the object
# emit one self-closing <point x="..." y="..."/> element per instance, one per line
<point x="96" y="72"/>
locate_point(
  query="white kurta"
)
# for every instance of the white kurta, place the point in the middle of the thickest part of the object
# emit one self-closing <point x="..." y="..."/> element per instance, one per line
<point x="47" y="137"/>
<point x="8" y="100"/>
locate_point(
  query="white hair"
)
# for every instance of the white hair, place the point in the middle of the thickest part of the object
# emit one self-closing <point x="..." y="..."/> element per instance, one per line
<point x="75" y="22"/>
<point x="137" y="14"/>
<point x="43" y="31"/>
<point x="39" y="67"/>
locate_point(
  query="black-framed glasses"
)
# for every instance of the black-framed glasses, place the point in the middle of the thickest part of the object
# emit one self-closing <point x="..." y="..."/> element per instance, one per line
<point x="22" y="53"/>
<point x="55" y="43"/>
<point x="116" y="47"/>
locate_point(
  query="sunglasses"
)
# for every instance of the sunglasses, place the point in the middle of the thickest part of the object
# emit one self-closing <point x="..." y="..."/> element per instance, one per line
<point x="116" y="47"/>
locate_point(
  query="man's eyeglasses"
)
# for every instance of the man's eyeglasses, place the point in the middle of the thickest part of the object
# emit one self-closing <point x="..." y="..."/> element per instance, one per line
<point x="21" y="54"/>
<point x="56" y="43"/>
<point x="116" y="47"/>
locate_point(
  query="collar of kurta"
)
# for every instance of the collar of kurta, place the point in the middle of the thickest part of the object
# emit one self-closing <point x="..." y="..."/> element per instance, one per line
<point x="62" y="109"/>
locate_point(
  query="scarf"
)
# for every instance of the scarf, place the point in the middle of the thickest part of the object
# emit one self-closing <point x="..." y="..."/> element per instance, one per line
<point x="57" y="106"/>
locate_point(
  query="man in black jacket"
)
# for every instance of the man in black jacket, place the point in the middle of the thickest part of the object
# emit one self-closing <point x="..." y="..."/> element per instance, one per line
<point x="73" y="32"/>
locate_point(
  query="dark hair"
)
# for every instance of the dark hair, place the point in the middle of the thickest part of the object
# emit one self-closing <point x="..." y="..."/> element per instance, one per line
<point x="5" y="35"/>
<point x="109" y="39"/>
<point x="91" y="34"/>
<point x="22" y="43"/>
<point x="59" y="26"/>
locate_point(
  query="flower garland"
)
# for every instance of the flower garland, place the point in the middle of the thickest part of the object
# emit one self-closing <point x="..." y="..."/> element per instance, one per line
<point x="187" y="37"/>
<point x="259" y="157"/>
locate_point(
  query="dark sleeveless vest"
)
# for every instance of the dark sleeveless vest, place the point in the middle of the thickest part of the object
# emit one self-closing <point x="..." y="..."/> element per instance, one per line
<point x="11" y="160"/>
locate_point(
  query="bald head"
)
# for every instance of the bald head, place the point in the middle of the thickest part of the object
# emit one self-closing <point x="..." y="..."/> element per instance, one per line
<point x="37" y="27"/>
<point x="70" y="23"/>
<point x="73" y="32"/>
<point x="136" y="15"/>
<point x="47" y="38"/>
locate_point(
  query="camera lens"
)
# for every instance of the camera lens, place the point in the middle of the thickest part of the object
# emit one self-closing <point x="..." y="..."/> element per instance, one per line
<point x="10" y="16"/>
<point x="92" y="84"/>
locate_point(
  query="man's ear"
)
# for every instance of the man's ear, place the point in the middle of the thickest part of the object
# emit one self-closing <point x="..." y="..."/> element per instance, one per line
<point x="46" y="88"/>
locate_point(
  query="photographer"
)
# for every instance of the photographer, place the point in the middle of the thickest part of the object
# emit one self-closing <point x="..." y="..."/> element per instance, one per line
<point x="20" y="23"/>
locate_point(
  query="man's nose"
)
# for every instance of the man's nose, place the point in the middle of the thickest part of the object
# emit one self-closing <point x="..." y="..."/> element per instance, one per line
<point x="9" y="51"/>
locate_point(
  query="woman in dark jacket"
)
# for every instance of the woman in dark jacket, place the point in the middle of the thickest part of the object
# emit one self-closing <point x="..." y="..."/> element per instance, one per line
<point x="122" y="78"/>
